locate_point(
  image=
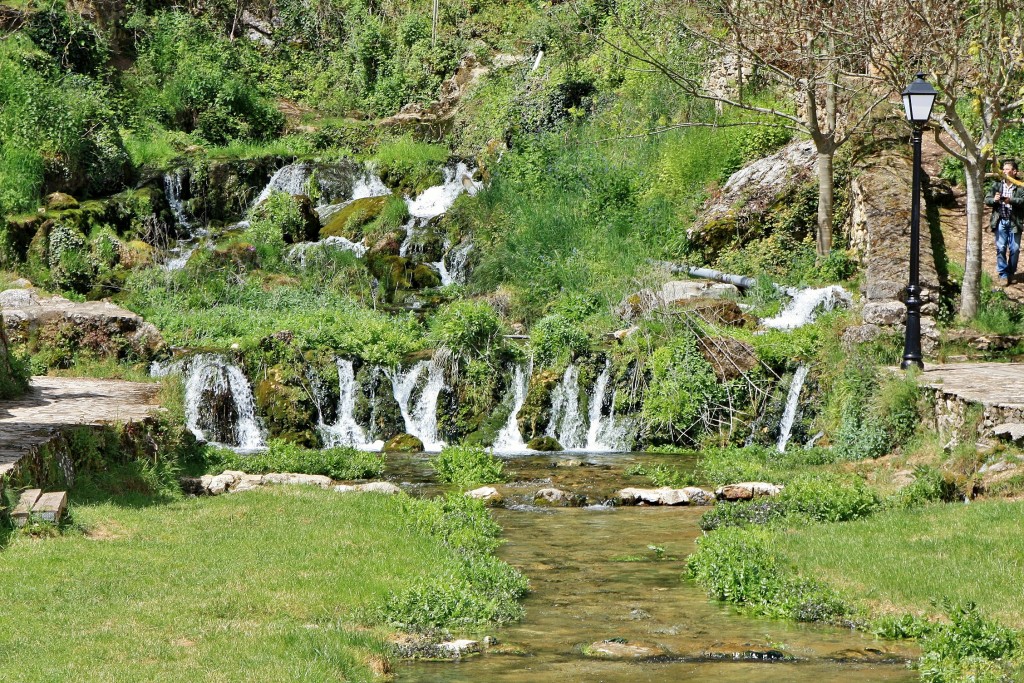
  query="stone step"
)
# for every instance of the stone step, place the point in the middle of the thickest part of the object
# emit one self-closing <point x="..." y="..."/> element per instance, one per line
<point x="23" y="509"/>
<point x="1010" y="431"/>
<point x="50" y="506"/>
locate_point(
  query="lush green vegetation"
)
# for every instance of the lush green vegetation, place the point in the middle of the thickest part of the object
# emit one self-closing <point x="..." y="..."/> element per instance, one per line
<point x="233" y="579"/>
<point x="340" y="462"/>
<point x="467" y="465"/>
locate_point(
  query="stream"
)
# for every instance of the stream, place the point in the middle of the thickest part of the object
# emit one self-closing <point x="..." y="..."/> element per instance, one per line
<point x="594" y="577"/>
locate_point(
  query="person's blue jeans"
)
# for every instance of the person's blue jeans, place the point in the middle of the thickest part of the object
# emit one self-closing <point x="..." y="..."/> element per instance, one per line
<point x="1007" y="249"/>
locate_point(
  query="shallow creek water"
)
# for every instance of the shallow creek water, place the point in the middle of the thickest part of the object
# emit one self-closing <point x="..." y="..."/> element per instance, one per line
<point x="593" y="577"/>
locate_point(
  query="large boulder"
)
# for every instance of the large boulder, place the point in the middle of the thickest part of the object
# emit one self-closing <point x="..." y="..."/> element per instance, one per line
<point x="748" y="490"/>
<point x="666" y="495"/>
<point x="97" y="326"/>
<point x="404" y="443"/>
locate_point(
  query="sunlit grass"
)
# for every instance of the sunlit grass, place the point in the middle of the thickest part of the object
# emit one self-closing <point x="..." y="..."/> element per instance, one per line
<point x="906" y="560"/>
<point x="268" y="585"/>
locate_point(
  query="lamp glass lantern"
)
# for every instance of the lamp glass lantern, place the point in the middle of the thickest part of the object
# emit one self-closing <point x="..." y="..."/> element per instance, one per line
<point x="918" y="99"/>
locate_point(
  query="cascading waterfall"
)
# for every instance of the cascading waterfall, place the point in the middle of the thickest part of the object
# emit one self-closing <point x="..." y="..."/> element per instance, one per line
<point x="173" y="190"/>
<point x="346" y="431"/>
<point x="420" y="416"/>
<point x="454" y="271"/>
<point x="792" y="403"/>
<point x="510" y="439"/>
<point x="365" y="186"/>
<point x="605" y="433"/>
<point x="807" y="304"/>
<point x="566" y="424"/>
<point x="436" y="200"/>
<point x="219" y="404"/>
<point x="290" y="179"/>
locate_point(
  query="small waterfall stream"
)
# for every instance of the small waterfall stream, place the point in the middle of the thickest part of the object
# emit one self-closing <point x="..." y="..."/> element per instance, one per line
<point x="219" y="404"/>
<point x="454" y="271"/>
<point x="174" y="183"/>
<point x="806" y="305"/>
<point x="566" y="423"/>
<point x="436" y="200"/>
<point x="605" y="434"/>
<point x="510" y="439"/>
<point x="346" y="431"/>
<point x="420" y="416"/>
<point x="792" y="404"/>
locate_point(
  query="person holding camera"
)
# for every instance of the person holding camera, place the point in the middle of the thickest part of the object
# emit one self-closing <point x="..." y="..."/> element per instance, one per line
<point x="1007" y="202"/>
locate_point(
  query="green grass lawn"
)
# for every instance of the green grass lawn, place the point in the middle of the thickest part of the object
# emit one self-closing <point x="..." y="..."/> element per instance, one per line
<point x="270" y="585"/>
<point x="903" y="560"/>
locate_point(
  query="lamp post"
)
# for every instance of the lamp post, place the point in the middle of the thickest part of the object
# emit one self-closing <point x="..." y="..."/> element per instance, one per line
<point x="918" y="98"/>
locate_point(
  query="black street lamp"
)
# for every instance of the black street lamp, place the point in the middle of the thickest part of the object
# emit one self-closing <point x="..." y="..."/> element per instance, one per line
<point x="918" y="98"/>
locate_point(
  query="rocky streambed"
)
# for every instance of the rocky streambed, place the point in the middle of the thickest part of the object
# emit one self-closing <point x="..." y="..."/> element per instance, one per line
<point x="608" y="602"/>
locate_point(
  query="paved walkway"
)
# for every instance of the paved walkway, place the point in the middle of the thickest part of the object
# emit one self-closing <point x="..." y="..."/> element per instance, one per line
<point x="53" y="402"/>
<point x="990" y="384"/>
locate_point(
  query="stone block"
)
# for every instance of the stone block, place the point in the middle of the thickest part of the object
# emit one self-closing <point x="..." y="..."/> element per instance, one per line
<point x="50" y="507"/>
<point x="885" y="313"/>
<point x="23" y="509"/>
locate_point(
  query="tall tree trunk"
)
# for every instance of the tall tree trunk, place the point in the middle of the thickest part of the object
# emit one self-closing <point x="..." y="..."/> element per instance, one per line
<point x="826" y="180"/>
<point x="970" y="293"/>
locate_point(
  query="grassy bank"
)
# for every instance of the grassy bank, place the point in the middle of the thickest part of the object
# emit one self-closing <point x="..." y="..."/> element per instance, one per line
<point x="904" y="560"/>
<point x="279" y="584"/>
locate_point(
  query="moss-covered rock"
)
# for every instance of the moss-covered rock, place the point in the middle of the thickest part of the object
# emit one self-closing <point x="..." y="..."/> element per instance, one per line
<point x="349" y="221"/>
<point x="536" y="411"/>
<point x="392" y="271"/>
<point x="60" y="200"/>
<point x="137" y="254"/>
<point x="404" y="443"/>
<point x="286" y="408"/>
<point x="544" y="444"/>
<point x="423" y="276"/>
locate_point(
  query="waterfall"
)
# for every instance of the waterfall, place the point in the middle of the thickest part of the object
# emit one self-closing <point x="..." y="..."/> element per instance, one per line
<point x="510" y="439"/>
<point x="299" y="252"/>
<point x="291" y="179"/>
<point x="369" y="185"/>
<point x="605" y="434"/>
<point x="173" y="189"/>
<point x="436" y="200"/>
<point x="219" y="405"/>
<point x="346" y="431"/>
<point x="806" y="305"/>
<point x="566" y="424"/>
<point x="792" y="403"/>
<point x="420" y="416"/>
<point x="454" y="272"/>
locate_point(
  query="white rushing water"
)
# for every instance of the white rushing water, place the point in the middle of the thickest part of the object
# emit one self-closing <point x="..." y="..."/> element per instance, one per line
<point x="792" y="403"/>
<point x="290" y="179"/>
<point x="173" y="189"/>
<point x="510" y="439"/>
<point x="454" y="271"/>
<point x="346" y="431"/>
<point x="605" y="433"/>
<point x="211" y="378"/>
<point x="807" y="304"/>
<point x="566" y="424"/>
<point x="420" y="416"/>
<point x="436" y="200"/>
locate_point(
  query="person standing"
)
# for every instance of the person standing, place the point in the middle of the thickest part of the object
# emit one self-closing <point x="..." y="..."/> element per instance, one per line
<point x="1007" y="202"/>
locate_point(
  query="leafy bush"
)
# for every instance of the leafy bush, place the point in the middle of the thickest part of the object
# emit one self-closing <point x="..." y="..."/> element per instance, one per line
<point x="969" y="648"/>
<point x="739" y="566"/>
<point x="555" y="337"/>
<point x="467" y="465"/>
<point x="470" y="328"/>
<point x="482" y="590"/>
<point x="930" y="484"/>
<point x="827" y="497"/>
<point x="683" y="391"/>
<point x="337" y="463"/>
<point x="748" y="513"/>
<point x="406" y="163"/>
<point x="661" y="474"/>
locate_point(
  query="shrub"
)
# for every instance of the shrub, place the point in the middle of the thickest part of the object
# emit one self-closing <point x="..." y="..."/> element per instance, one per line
<point x="751" y="513"/>
<point x="968" y="648"/>
<point x="661" y="474"/>
<point x="469" y="328"/>
<point x="827" y="497"/>
<point x="739" y="566"/>
<point x="482" y="589"/>
<point x="930" y="484"/>
<point x="556" y="337"/>
<point x="683" y="392"/>
<point x="340" y="462"/>
<point x="405" y="163"/>
<point x="467" y="465"/>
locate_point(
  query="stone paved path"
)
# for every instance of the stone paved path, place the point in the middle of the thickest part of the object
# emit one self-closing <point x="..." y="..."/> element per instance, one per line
<point x="990" y="384"/>
<point x="53" y="402"/>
